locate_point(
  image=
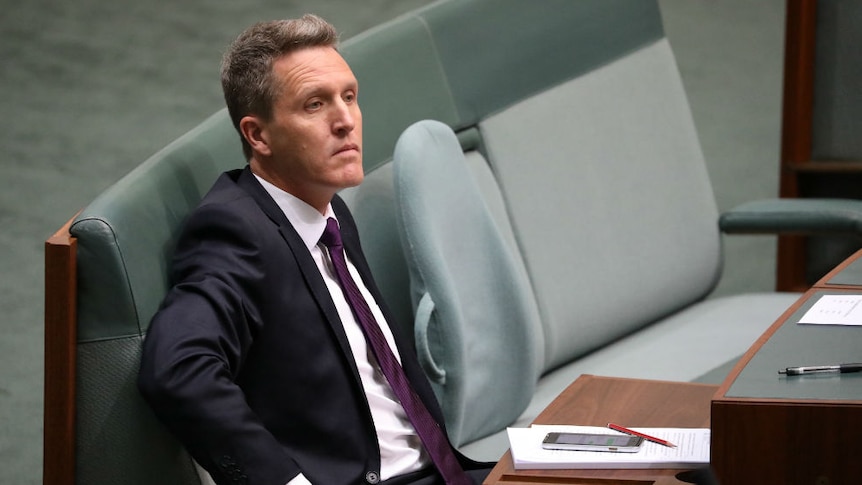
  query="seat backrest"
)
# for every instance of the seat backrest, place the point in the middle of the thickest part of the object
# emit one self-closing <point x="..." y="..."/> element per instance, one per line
<point x="477" y="326"/>
<point x="583" y="119"/>
<point x="610" y="199"/>
<point x="124" y="241"/>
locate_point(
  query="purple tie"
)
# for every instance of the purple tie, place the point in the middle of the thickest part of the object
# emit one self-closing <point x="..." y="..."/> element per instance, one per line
<point x="429" y="431"/>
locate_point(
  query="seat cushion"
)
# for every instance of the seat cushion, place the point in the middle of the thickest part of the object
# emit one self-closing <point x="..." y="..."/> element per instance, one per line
<point x="687" y="346"/>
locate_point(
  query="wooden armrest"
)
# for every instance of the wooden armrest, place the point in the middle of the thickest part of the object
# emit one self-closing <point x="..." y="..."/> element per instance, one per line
<point x="58" y="466"/>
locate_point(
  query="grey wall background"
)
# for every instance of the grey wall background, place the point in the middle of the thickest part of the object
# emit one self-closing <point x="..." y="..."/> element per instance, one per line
<point x="91" y="88"/>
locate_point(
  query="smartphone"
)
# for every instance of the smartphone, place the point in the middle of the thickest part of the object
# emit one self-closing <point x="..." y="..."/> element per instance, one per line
<point x="617" y="443"/>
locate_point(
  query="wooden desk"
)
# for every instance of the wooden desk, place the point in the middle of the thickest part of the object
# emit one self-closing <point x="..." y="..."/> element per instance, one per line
<point x="771" y="429"/>
<point x="595" y="401"/>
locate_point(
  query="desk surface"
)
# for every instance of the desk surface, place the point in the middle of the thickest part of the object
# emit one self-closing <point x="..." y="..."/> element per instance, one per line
<point x="595" y="401"/>
<point x="786" y="344"/>
<point x="777" y="430"/>
<point x="848" y="273"/>
<point x="790" y="344"/>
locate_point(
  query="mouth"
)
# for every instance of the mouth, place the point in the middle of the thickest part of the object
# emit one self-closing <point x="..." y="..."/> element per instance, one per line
<point x="352" y="147"/>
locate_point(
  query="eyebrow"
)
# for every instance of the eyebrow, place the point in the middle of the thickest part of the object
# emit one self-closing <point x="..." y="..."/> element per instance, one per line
<point x="319" y="89"/>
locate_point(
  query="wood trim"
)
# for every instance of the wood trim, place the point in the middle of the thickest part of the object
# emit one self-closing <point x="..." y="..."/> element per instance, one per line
<point x="796" y="125"/>
<point x="782" y="443"/>
<point x="58" y="466"/>
<point x="798" y="101"/>
<point x="758" y="344"/>
<point x="827" y="166"/>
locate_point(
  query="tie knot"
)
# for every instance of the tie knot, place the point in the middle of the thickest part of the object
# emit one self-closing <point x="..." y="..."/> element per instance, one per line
<point x="331" y="237"/>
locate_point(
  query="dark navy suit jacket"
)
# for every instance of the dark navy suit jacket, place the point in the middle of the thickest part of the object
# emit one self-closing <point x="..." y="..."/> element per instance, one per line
<point x="247" y="362"/>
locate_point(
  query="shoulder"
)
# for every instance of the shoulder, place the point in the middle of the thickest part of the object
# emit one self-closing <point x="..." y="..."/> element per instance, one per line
<point x="228" y="220"/>
<point x="227" y="188"/>
<point x="235" y="195"/>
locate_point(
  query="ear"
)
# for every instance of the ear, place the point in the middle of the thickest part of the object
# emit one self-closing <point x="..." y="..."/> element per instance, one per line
<point x="253" y="129"/>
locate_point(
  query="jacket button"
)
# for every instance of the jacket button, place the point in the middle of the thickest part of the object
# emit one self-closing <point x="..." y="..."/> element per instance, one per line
<point x="372" y="478"/>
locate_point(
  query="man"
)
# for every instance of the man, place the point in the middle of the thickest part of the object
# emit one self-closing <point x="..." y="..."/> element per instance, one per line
<point x="259" y="360"/>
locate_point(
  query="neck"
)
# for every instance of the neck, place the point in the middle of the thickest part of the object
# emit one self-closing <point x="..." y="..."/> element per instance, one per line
<point x="317" y="199"/>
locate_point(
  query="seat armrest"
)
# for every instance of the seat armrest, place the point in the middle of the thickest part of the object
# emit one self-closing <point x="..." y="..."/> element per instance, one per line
<point x="794" y="216"/>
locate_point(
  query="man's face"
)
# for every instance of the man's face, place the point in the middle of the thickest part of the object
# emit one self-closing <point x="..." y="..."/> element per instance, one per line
<point x="312" y="146"/>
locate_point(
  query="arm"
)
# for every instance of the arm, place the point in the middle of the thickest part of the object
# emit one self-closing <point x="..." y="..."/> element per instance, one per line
<point x="196" y="345"/>
<point x="794" y="216"/>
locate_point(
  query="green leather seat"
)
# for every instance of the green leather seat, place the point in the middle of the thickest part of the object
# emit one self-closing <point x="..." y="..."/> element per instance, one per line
<point x="542" y="96"/>
<point x="578" y="133"/>
<point x="125" y="240"/>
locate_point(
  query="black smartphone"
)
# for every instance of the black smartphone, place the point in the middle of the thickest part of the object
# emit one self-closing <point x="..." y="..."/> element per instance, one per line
<point x="616" y="443"/>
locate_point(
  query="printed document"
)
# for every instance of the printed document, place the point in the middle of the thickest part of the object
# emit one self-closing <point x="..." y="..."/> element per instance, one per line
<point x="835" y="310"/>
<point x="692" y="449"/>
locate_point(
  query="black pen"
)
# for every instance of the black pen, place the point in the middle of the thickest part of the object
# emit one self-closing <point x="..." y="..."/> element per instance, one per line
<point x="820" y="369"/>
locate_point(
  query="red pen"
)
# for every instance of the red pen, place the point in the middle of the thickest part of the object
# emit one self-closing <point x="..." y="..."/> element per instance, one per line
<point x="647" y="437"/>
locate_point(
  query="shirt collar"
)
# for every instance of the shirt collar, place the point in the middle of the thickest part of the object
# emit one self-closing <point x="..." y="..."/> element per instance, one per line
<point x="306" y="220"/>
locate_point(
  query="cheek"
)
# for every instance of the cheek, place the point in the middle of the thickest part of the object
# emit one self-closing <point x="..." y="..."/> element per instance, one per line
<point x="297" y="143"/>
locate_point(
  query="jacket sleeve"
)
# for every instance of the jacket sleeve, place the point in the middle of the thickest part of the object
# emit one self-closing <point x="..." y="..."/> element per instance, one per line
<point x="196" y="345"/>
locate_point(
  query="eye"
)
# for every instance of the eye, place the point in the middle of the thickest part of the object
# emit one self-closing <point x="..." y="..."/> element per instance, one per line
<point x="314" y="105"/>
<point x="350" y="97"/>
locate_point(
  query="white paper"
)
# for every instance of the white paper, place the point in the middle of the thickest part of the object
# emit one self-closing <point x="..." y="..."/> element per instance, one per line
<point x="835" y="310"/>
<point x="692" y="449"/>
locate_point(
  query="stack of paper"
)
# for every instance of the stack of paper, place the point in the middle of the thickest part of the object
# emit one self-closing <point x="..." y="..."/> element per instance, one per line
<point x="692" y="449"/>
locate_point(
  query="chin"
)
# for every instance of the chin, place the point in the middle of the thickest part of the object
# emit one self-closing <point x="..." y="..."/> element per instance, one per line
<point x="357" y="175"/>
<point x="349" y="175"/>
<point x="356" y="180"/>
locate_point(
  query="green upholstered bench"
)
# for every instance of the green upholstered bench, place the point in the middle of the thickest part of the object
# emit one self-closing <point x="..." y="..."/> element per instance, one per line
<point x="563" y="161"/>
<point x="562" y="151"/>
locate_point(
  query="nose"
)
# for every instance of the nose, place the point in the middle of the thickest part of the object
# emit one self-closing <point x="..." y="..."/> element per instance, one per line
<point x="346" y="117"/>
